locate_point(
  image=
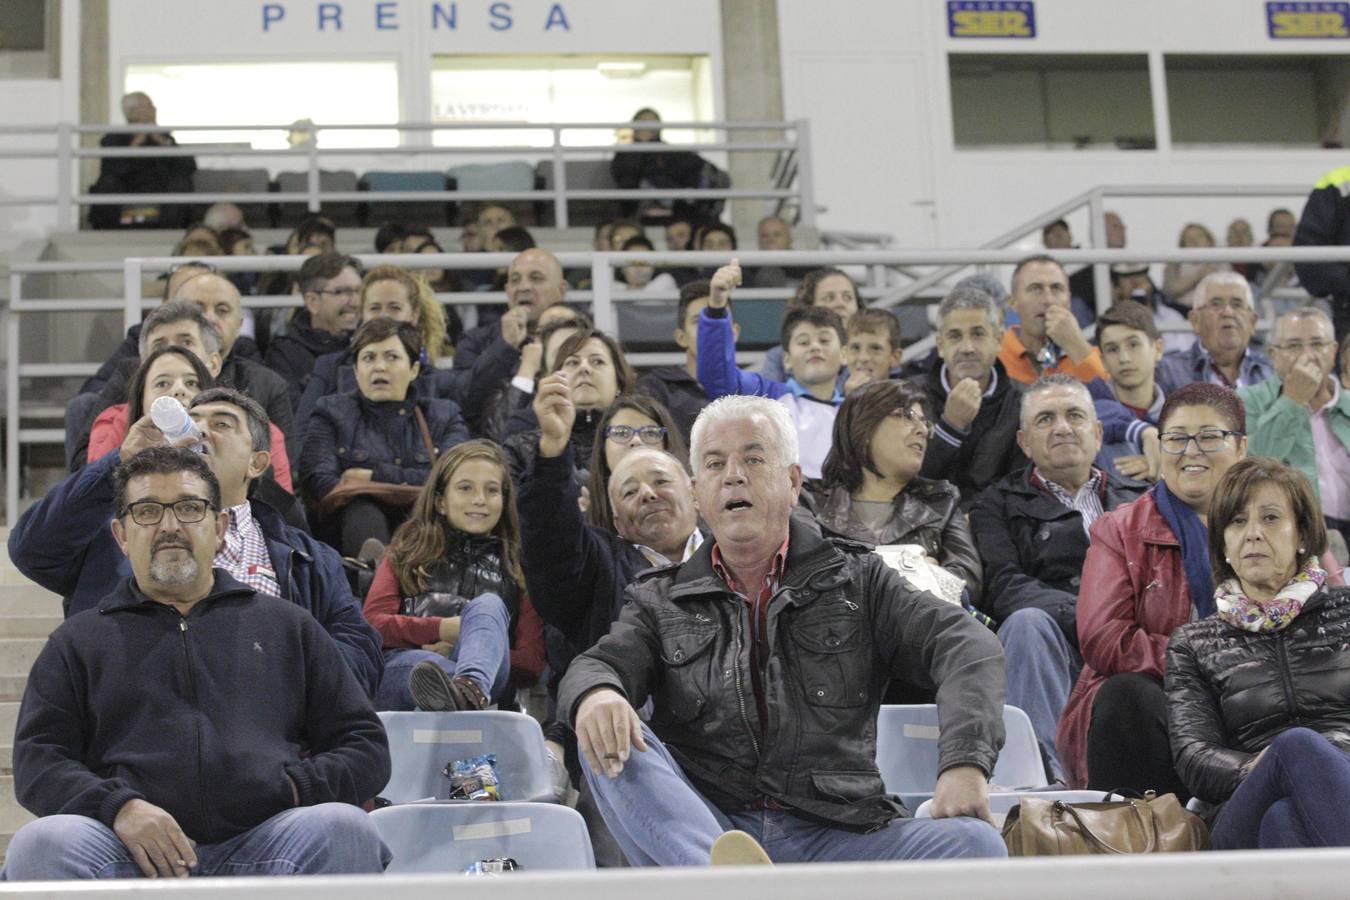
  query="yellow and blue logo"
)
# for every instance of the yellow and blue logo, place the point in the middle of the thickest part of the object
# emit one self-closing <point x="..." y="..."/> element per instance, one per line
<point x="1302" y="20"/>
<point x="991" y="19"/>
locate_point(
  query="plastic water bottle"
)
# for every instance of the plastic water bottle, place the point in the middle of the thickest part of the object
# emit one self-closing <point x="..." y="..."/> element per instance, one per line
<point x="173" y="420"/>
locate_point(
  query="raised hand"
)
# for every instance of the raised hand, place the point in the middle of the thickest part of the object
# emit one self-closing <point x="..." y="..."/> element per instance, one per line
<point x="553" y="407"/>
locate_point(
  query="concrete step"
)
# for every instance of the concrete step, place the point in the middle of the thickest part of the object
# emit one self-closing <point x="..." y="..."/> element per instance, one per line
<point x="17" y="654"/>
<point x="11" y="688"/>
<point x="27" y="599"/>
<point x="27" y="626"/>
<point x="9" y="717"/>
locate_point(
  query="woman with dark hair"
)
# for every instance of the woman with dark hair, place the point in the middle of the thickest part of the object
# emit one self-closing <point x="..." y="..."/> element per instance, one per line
<point x="672" y="169"/>
<point x="1146" y="574"/>
<point x="366" y="449"/>
<point x="633" y="421"/>
<point x="829" y="287"/>
<point x="449" y="593"/>
<point x="1258" y="707"/>
<point x="870" y="485"/>
<point x="598" y="373"/>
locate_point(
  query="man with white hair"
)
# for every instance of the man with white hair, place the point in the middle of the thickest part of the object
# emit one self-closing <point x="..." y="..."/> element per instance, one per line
<point x="139" y="174"/>
<point x="1223" y="320"/>
<point x="765" y="656"/>
<point x="1301" y="415"/>
<point x="223" y="216"/>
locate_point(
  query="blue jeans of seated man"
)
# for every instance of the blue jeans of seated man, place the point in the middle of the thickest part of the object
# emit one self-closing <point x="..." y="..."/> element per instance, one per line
<point x="1042" y="667"/>
<point x="660" y="819"/>
<point x="1296" y="796"/>
<point x="483" y="653"/>
<point x="328" y="839"/>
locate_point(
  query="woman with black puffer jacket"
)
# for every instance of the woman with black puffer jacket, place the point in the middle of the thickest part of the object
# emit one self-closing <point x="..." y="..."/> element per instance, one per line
<point x="1259" y="693"/>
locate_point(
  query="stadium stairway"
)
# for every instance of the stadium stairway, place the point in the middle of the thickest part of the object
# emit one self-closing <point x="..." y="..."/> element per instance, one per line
<point x="28" y="614"/>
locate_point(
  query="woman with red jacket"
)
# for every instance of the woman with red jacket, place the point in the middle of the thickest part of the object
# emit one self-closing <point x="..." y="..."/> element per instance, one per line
<point x="448" y="596"/>
<point x="1147" y="573"/>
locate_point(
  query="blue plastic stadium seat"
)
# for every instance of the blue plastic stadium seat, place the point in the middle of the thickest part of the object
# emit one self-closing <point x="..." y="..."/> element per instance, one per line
<point x="421" y="744"/>
<point x="414" y="212"/>
<point x="448" y="837"/>
<point x="907" y="754"/>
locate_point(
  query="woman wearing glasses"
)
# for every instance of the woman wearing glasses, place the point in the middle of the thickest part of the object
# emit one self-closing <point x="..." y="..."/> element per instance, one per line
<point x="871" y="490"/>
<point x="1147" y="573"/>
<point x="633" y="421"/>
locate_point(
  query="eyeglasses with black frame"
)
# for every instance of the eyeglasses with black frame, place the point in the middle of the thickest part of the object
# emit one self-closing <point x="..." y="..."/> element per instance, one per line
<point x="648" y="434"/>
<point x="150" y="512"/>
<point x="1209" y="440"/>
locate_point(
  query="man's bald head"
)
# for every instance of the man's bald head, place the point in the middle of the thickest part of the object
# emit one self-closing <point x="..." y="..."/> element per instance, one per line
<point x="653" y="501"/>
<point x="535" y="281"/>
<point x="219" y="301"/>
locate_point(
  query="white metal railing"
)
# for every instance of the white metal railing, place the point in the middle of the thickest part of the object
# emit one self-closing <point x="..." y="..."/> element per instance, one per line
<point x="796" y="146"/>
<point x="603" y="294"/>
<point x="1094" y="201"/>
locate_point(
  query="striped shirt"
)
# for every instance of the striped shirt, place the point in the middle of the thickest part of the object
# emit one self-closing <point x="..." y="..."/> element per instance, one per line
<point x="1087" y="502"/>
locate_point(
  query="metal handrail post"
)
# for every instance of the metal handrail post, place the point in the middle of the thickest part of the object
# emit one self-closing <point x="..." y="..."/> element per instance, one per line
<point x="560" y="215"/>
<point x="806" y="186"/>
<point x="131" y="291"/>
<point x="312" y="174"/>
<point x="11" y="328"/>
<point x="1101" y="273"/>
<point x="67" y="216"/>
<point x="602" y="286"/>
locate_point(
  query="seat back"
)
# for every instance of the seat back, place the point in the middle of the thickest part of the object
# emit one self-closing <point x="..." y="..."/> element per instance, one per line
<point x="417" y="212"/>
<point x="907" y="752"/>
<point x="581" y="174"/>
<point x="344" y="214"/>
<point x="235" y="181"/>
<point x="421" y="744"/>
<point x="448" y="837"/>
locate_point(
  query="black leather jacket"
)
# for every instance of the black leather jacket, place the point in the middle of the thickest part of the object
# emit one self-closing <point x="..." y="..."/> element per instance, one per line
<point x="928" y="513"/>
<point x="1231" y="692"/>
<point x="839" y="627"/>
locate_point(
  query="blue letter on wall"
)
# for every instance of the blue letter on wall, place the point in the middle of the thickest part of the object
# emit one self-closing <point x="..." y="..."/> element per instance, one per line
<point x="386" y="16"/>
<point x="272" y="12"/>
<point x="330" y="12"/>
<point x="557" y="18"/>
<point x="501" y="16"/>
<point x="441" y="14"/>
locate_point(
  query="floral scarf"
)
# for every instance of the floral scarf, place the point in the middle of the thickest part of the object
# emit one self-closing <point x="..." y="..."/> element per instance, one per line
<point x="1263" y="616"/>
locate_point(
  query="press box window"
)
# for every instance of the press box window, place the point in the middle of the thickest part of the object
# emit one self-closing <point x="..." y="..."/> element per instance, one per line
<point x="1051" y="100"/>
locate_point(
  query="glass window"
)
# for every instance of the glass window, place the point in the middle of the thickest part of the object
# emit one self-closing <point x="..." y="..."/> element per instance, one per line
<point x="341" y="93"/>
<point x="1050" y="100"/>
<point x="524" y="89"/>
<point x="1293" y="101"/>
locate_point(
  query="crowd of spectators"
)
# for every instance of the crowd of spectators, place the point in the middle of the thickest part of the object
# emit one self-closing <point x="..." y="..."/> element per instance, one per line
<point x="454" y="514"/>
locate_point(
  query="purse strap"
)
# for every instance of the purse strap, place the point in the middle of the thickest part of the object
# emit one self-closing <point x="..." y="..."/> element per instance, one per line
<point x="426" y="432"/>
<point x="1150" y="828"/>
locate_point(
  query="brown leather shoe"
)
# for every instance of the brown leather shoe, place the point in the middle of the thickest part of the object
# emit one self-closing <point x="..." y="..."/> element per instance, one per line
<point x="435" y="691"/>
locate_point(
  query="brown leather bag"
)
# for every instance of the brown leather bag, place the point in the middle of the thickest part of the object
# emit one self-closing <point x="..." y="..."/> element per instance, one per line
<point x="395" y="495"/>
<point x="1040" y="826"/>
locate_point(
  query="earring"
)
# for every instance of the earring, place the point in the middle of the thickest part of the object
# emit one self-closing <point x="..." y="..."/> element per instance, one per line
<point x="1301" y="551"/>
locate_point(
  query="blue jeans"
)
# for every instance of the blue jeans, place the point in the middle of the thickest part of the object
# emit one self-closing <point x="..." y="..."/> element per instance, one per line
<point x="1297" y="796"/>
<point x="1042" y="666"/>
<point x="483" y="653"/>
<point x="660" y="819"/>
<point x="328" y="839"/>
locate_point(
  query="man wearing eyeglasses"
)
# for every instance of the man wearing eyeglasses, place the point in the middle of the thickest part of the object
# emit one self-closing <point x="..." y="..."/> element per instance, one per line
<point x="63" y="542"/>
<point x="193" y="725"/>
<point x="1302" y="415"/>
<point x="1223" y="320"/>
<point x="330" y="284"/>
<point x="1031" y="528"/>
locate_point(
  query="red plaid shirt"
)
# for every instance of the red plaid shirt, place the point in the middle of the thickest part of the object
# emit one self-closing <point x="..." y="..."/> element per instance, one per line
<point x="759" y="619"/>
<point x="244" y="553"/>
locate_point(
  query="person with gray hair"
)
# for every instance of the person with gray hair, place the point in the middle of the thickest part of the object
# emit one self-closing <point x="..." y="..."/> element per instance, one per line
<point x="138" y="174"/>
<point x="1031" y="528"/>
<point x="974" y="439"/>
<point x="1223" y="320"/>
<point x="765" y="656"/>
<point x="1301" y="414"/>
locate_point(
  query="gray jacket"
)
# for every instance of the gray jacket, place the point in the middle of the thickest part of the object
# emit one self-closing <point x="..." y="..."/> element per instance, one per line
<point x="839" y="627"/>
<point x="928" y="513"/>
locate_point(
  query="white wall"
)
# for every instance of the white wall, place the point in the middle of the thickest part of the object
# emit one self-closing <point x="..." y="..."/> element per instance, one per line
<point x="872" y="75"/>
